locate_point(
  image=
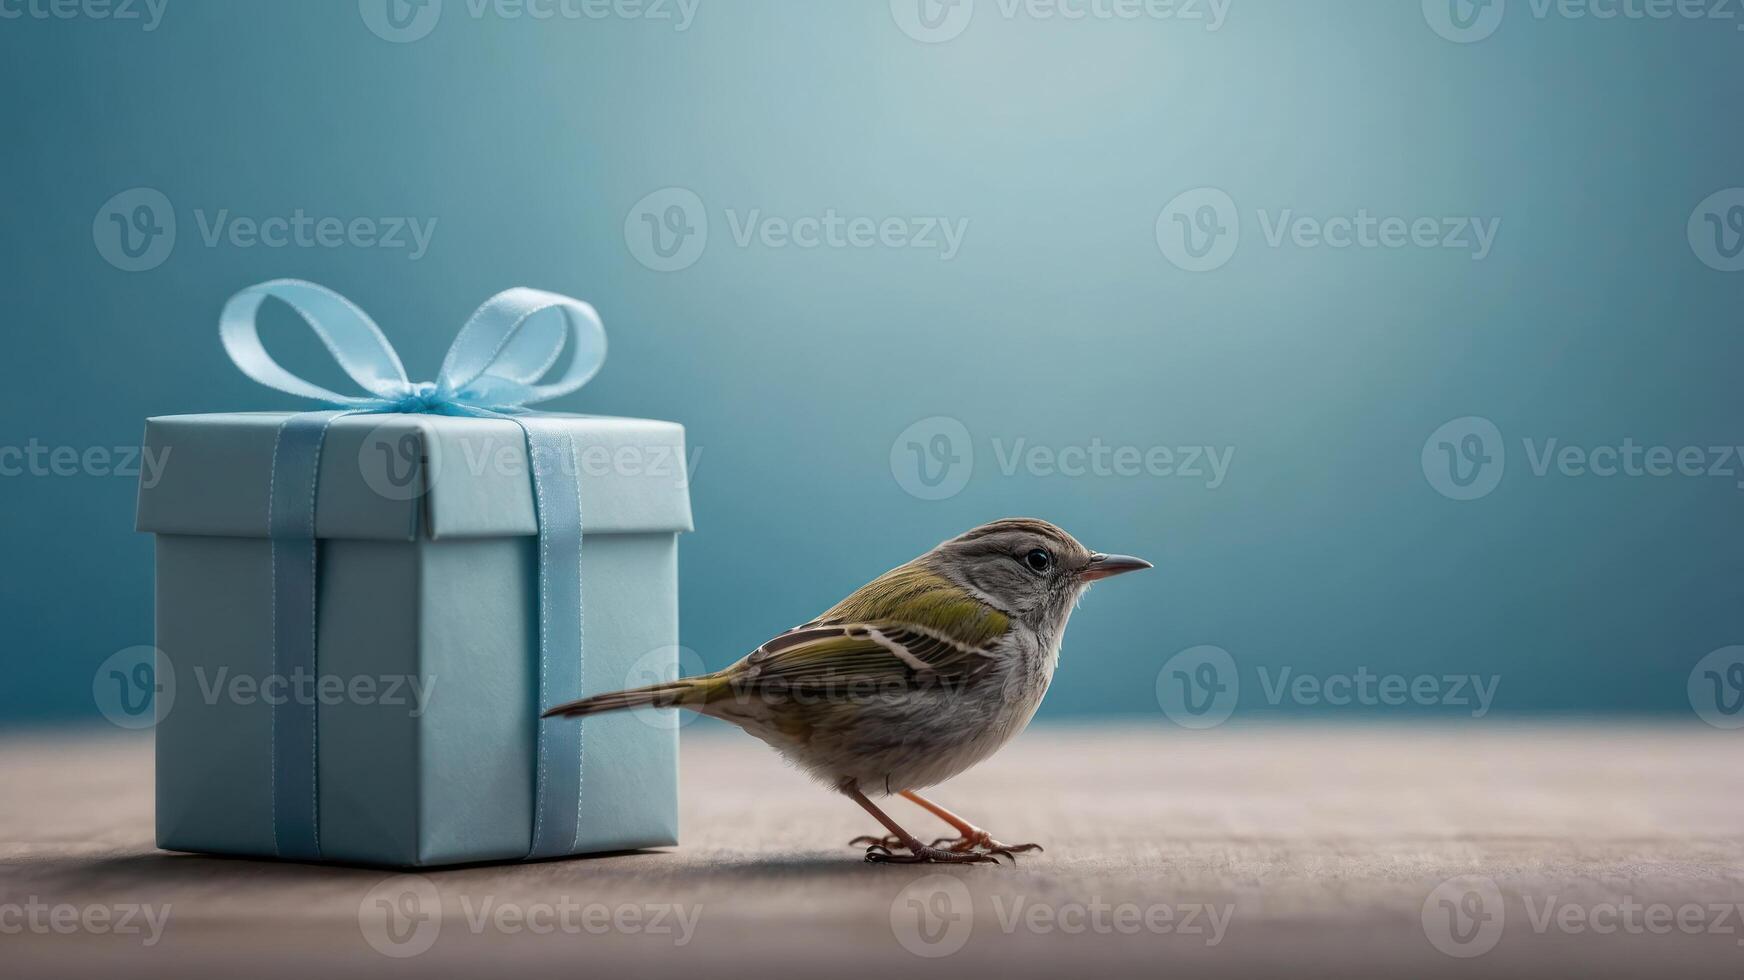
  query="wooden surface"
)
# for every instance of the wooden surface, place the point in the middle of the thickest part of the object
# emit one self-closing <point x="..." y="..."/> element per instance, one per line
<point x="1323" y="844"/>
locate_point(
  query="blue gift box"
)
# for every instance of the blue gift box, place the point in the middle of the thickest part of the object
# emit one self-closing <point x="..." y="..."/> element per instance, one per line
<point x="428" y="582"/>
<point x="362" y="611"/>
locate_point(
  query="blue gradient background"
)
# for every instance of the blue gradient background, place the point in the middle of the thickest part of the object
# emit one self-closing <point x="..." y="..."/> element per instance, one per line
<point x="1059" y="322"/>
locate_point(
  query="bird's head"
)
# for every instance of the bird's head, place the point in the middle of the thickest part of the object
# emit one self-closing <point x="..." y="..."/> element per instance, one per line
<point x="1027" y="567"/>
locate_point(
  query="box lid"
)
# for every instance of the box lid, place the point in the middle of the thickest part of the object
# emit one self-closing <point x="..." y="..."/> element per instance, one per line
<point x="396" y="477"/>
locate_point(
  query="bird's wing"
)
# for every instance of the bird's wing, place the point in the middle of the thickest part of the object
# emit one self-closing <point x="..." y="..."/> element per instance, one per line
<point x="852" y="654"/>
<point x="908" y="626"/>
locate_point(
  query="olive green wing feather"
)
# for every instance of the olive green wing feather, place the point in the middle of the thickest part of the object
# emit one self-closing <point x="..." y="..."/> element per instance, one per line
<point x="916" y="595"/>
<point x="908" y="627"/>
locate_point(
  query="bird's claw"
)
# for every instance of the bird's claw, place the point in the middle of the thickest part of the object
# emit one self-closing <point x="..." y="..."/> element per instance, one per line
<point x="981" y="849"/>
<point x="888" y="841"/>
<point x="922" y="854"/>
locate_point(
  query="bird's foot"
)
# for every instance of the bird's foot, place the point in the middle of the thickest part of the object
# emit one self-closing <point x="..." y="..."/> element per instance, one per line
<point x="922" y="854"/>
<point x="980" y="841"/>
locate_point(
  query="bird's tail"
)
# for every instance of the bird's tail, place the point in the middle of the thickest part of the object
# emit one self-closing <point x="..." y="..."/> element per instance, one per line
<point x="684" y="692"/>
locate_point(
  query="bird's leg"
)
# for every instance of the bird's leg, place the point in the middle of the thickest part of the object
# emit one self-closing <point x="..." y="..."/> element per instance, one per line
<point x="918" y="853"/>
<point x="972" y="838"/>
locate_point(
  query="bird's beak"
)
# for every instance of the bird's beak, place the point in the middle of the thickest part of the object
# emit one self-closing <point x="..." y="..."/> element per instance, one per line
<point x="1106" y="566"/>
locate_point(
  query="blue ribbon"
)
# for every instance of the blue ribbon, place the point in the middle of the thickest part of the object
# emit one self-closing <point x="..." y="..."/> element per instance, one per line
<point x="493" y="370"/>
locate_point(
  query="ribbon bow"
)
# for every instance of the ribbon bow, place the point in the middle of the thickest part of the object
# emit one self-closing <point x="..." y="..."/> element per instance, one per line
<point x="492" y="370"/>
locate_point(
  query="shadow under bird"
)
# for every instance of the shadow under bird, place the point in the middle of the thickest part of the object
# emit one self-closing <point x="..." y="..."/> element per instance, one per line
<point x="915" y="677"/>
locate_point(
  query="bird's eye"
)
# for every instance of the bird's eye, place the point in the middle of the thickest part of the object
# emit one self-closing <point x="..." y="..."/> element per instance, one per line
<point x="1039" y="560"/>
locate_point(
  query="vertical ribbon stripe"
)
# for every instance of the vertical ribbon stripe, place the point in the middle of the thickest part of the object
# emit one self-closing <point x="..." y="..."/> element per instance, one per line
<point x="557" y="762"/>
<point x="291" y="527"/>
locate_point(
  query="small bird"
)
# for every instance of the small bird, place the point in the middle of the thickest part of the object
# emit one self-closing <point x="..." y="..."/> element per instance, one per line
<point x="915" y="677"/>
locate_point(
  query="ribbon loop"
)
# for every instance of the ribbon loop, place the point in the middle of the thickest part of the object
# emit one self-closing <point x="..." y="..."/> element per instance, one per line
<point x="353" y="339"/>
<point x="506" y="346"/>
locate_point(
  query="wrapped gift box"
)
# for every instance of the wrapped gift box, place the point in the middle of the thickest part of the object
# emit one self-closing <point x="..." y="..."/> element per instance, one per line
<point x="428" y="582"/>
